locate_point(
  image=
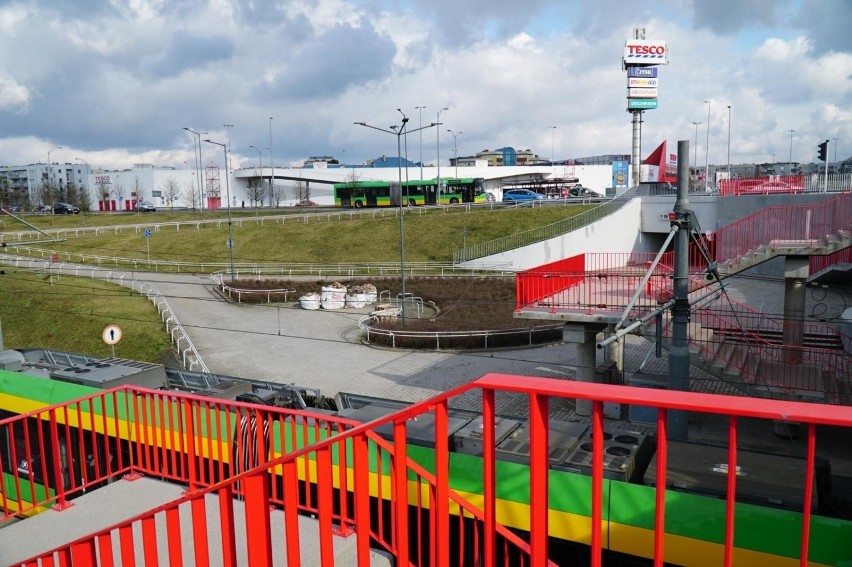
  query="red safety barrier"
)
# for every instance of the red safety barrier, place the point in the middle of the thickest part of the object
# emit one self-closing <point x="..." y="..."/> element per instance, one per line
<point x="606" y="282"/>
<point x="762" y="185"/>
<point x="384" y="471"/>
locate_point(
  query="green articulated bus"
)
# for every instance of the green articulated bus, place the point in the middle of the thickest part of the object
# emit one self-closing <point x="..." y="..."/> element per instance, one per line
<point x="414" y="192"/>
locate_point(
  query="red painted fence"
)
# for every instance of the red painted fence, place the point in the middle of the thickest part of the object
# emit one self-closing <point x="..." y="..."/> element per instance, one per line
<point x="406" y="484"/>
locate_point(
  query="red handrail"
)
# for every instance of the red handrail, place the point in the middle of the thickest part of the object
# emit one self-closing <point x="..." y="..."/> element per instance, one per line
<point x="408" y="481"/>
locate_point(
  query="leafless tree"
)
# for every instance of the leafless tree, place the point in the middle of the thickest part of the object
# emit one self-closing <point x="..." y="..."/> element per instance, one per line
<point x="118" y="192"/>
<point x="277" y="195"/>
<point x="48" y="194"/>
<point x="74" y="196"/>
<point x="255" y="191"/>
<point x="138" y="190"/>
<point x="302" y="190"/>
<point x="171" y="191"/>
<point x="192" y="196"/>
<point x="102" y="190"/>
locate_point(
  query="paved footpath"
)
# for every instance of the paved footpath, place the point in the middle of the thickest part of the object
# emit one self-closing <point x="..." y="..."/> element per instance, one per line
<point x="323" y="349"/>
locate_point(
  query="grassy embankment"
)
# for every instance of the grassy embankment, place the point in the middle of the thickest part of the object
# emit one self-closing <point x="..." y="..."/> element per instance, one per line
<point x="71" y="313"/>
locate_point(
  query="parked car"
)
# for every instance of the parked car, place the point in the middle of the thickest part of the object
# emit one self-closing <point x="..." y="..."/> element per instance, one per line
<point x="306" y="203"/>
<point x="521" y="195"/>
<point x="578" y="191"/>
<point x="65" y="209"/>
<point x="145" y="207"/>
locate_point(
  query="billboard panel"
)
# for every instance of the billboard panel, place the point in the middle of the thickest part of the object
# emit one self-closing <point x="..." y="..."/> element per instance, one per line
<point x="639" y="83"/>
<point x="641" y="103"/>
<point x="642" y="72"/>
<point x="645" y="52"/>
<point x="642" y="93"/>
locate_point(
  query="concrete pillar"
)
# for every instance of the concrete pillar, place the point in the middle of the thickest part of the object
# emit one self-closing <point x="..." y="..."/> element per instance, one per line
<point x="583" y="335"/>
<point x="796" y="270"/>
<point x="615" y="355"/>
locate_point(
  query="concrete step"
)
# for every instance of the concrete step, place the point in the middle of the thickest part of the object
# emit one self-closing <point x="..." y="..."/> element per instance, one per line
<point x="123" y="499"/>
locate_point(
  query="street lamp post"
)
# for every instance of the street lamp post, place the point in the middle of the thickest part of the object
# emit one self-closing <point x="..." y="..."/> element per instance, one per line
<point x="271" y="165"/>
<point x="790" y="162"/>
<point x="48" y="167"/>
<point x="420" y="108"/>
<point x="729" y="141"/>
<point x="343" y="159"/>
<point x="438" y="159"/>
<point x="456" y="149"/>
<point x="198" y="164"/>
<point x="398" y="131"/>
<point x="228" y="127"/>
<point x="695" y="152"/>
<point x="228" y="197"/>
<point x="707" y="150"/>
<point x="405" y="132"/>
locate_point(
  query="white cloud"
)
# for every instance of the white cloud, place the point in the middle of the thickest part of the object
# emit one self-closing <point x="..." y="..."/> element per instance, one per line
<point x="319" y="65"/>
<point x="14" y="97"/>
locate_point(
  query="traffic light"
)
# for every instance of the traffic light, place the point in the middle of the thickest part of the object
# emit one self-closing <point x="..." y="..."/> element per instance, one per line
<point x="823" y="151"/>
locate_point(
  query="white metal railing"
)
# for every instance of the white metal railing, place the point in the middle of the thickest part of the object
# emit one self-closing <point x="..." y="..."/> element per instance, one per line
<point x="190" y="357"/>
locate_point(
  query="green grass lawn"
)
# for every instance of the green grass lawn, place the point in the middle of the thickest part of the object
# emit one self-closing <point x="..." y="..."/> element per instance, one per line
<point x="70" y="313"/>
<point x="67" y="313"/>
<point x="431" y="235"/>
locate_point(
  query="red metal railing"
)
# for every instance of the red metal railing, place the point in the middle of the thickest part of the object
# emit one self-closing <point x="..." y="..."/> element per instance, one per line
<point x="234" y="450"/>
<point x="818" y="263"/>
<point x="405" y="485"/>
<point x="56" y="453"/>
<point x="762" y="185"/>
<point x="605" y="282"/>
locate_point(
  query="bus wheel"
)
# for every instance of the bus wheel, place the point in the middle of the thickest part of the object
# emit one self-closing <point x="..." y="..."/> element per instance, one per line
<point x="358" y="204"/>
<point x="454" y="201"/>
<point x="411" y="202"/>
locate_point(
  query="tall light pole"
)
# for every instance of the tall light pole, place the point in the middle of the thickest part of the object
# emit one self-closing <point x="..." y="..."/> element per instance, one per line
<point x="398" y="131"/>
<point x="790" y="162"/>
<point x="729" y="141"/>
<point x="707" y="152"/>
<point x="405" y="132"/>
<point x="228" y="197"/>
<point x="198" y="165"/>
<point x="438" y="159"/>
<point x="695" y="152"/>
<point x="420" y="108"/>
<point x="271" y="165"/>
<point x="48" y="167"/>
<point x="456" y="149"/>
<point x="552" y="146"/>
<point x="228" y="127"/>
<point x="343" y="159"/>
<point x="51" y="151"/>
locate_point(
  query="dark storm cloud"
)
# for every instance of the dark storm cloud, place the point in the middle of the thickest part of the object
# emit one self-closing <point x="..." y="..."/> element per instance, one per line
<point x="329" y="64"/>
<point x="727" y="17"/>
<point x="828" y="23"/>
<point x="186" y="51"/>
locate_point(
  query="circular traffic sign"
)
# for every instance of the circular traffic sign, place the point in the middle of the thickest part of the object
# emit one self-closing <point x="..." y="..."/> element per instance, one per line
<point x="112" y="334"/>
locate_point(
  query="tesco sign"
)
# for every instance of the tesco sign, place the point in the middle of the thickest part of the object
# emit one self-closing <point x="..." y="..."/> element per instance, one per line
<point x="645" y="52"/>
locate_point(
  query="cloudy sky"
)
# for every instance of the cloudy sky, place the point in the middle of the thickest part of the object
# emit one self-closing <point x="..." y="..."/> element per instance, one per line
<point x="113" y="82"/>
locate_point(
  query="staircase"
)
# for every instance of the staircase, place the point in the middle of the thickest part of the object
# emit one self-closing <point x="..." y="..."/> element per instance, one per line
<point x="756" y="363"/>
<point x="830" y="244"/>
